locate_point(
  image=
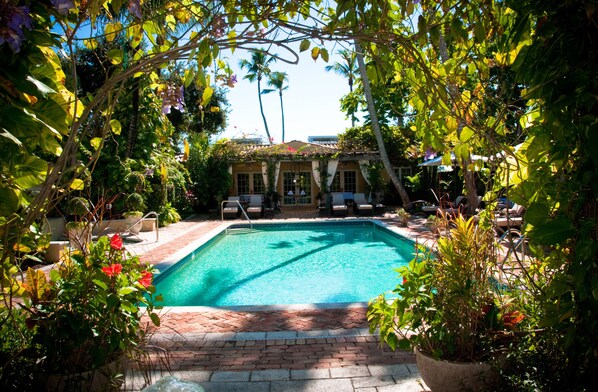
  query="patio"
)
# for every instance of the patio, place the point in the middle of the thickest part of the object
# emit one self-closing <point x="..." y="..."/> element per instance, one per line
<point x="273" y="348"/>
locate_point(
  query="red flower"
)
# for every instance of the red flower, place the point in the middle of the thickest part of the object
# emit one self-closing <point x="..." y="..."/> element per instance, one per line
<point x="404" y="280"/>
<point x="291" y="149"/>
<point x="146" y="279"/>
<point x="112" y="270"/>
<point x="513" y="318"/>
<point x="116" y="242"/>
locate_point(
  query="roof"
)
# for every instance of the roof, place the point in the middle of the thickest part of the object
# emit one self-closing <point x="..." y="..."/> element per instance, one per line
<point x="294" y="150"/>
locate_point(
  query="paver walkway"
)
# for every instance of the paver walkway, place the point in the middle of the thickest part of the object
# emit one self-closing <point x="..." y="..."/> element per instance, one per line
<point x="269" y="350"/>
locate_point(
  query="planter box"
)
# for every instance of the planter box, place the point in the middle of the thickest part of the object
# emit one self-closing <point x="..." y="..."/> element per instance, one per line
<point x="55" y="250"/>
<point x="56" y="227"/>
<point x="120" y="225"/>
<point x="148" y="224"/>
<point x="448" y="376"/>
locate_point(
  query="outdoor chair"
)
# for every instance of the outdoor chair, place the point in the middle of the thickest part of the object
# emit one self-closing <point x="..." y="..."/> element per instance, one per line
<point x="508" y="218"/>
<point x="446" y="207"/>
<point x="338" y="205"/>
<point x="231" y="208"/>
<point x="361" y="205"/>
<point x="255" y="208"/>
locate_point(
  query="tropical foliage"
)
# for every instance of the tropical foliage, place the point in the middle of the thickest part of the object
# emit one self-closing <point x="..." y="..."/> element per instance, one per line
<point x="508" y="79"/>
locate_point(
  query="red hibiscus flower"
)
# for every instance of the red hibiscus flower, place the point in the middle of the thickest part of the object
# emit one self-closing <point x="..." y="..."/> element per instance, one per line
<point x="116" y="242"/>
<point x="512" y="318"/>
<point x="112" y="269"/>
<point x="146" y="279"/>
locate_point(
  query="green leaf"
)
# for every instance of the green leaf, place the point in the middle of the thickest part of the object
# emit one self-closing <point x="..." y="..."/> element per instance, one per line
<point x="305" y="44"/>
<point x="96" y="143"/>
<point x="43" y="88"/>
<point x="537" y="214"/>
<point x="129" y="307"/>
<point x="126" y="290"/>
<point x="553" y="232"/>
<point x="207" y="95"/>
<point x="115" y="126"/>
<point x="466" y="134"/>
<point x="116" y="56"/>
<point x="188" y="77"/>
<point x="77" y="184"/>
<point x="315" y="52"/>
<point x="155" y="319"/>
<point x="100" y="284"/>
<point x="54" y="275"/>
<point x="10" y="137"/>
<point x="10" y="201"/>
<point x="324" y="55"/>
<point x="30" y="172"/>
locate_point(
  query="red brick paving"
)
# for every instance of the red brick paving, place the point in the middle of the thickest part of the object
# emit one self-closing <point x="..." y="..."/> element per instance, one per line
<point x="308" y="353"/>
<point x="263" y="321"/>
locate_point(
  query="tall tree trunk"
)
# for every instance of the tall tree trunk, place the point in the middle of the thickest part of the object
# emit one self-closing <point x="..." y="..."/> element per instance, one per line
<point x="282" y="112"/>
<point x="468" y="175"/>
<point x="376" y="127"/>
<point x="351" y="91"/>
<point x="132" y="134"/>
<point x="259" y="96"/>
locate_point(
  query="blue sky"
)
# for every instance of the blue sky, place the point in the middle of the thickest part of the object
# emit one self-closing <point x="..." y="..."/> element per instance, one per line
<point x="311" y="103"/>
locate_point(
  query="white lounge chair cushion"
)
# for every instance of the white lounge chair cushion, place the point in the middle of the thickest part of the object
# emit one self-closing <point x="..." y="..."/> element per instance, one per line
<point x="510" y="221"/>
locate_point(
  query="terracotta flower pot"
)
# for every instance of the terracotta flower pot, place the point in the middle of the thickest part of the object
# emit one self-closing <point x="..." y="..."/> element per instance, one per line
<point x="448" y="376"/>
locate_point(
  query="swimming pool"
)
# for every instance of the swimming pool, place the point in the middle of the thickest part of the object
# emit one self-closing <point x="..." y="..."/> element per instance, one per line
<point x="283" y="264"/>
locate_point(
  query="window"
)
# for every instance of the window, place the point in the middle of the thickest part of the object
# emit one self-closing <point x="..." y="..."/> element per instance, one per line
<point x="344" y="181"/>
<point x="350" y="184"/>
<point x="243" y="183"/>
<point x="248" y="183"/>
<point x="296" y="188"/>
<point x="258" y="184"/>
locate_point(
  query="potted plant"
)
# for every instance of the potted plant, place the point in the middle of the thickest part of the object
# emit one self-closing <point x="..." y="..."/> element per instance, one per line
<point x="79" y="227"/>
<point x="403" y="217"/>
<point x="135" y="205"/>
<point x="450" y="308"/>
<point x="86" y="319"/>
<point x="436" y="223"/>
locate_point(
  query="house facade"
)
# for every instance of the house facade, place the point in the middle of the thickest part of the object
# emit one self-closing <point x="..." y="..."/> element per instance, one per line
<point x="300" y="172"/>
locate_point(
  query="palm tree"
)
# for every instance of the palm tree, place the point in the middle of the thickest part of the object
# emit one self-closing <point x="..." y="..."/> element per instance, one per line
<point x="376" y="127"/>
<point x="348" y="68"/>
<point x="277" y="80"/>
<point x="256" y="69"/>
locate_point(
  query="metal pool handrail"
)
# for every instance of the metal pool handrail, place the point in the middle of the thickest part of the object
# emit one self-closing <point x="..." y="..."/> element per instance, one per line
<point x="240" y="206"/>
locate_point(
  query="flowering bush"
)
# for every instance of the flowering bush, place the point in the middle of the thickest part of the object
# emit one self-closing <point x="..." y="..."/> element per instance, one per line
<point x="89" y="311"/>
<point x="450" y="303"/>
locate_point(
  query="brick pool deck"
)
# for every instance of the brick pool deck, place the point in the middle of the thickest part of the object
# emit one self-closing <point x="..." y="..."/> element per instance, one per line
<point x="271" y="348"/>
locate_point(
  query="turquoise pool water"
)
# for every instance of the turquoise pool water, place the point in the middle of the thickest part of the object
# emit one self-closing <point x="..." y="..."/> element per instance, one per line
<point x="288" y="264"/>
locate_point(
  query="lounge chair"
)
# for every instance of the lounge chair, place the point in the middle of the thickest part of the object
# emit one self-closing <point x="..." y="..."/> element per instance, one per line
<point x="454" y="207"/>
<point x="231" y="208"/>
<point x="447" y="207"/>
<point x="361" y="205"/>
<point x="338" y="205"/>
<point x="255" y="209"/>
<point x="508" y="218"/>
